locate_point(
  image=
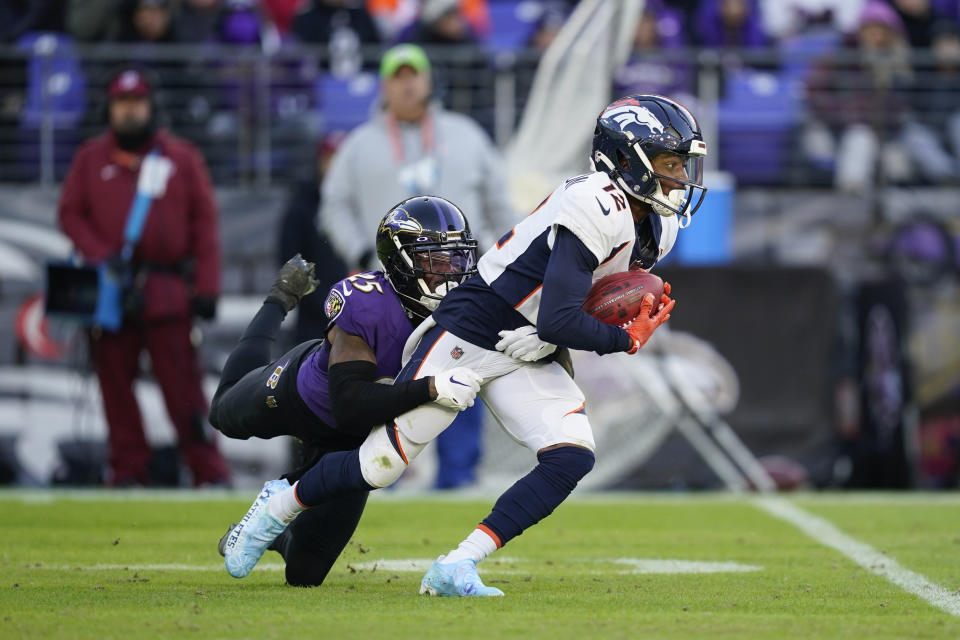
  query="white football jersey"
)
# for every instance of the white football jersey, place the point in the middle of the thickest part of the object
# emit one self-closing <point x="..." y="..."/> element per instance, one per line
<point x="591" y="207"/>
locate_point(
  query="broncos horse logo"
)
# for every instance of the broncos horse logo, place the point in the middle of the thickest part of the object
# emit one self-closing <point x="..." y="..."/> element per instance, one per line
<point x="628" y="114"/>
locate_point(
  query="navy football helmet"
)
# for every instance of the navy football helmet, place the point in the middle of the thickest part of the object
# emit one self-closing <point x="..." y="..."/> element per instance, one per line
<point x="631" y="132"/>
<point x="426" y="249"/>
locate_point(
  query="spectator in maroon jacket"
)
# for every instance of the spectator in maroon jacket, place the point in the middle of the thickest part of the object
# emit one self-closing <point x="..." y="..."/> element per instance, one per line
<point x="176" y="267"/>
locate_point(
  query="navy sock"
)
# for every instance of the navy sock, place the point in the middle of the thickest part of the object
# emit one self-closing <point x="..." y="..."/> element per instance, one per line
<point x="534" y="496"/>
<point x="335" y="474"/>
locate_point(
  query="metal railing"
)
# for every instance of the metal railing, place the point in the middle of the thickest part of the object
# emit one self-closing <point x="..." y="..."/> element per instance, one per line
<point x="772" y="117"/>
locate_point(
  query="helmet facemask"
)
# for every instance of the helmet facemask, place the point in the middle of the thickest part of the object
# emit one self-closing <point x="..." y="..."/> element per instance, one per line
<point x="682" y="200"/>
<point x="433" y="270"/>
<point x="426" y="248"/>
<point x="683" y="197"/>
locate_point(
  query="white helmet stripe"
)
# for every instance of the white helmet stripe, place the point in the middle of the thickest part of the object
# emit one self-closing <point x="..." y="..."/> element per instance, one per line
<point x="643" y="156"/>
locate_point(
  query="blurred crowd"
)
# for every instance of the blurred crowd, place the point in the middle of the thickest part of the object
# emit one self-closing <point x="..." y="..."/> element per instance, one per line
<point x="267" y="23"/>
<point x="854" y="92"/>
<point x="666" y="23"/>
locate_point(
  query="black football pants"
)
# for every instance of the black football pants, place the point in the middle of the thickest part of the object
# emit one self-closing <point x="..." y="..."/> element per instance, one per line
<point x="254" y="400"/>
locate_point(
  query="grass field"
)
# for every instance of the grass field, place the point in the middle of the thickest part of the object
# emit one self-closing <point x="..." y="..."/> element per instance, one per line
<point x="136" y="565"/>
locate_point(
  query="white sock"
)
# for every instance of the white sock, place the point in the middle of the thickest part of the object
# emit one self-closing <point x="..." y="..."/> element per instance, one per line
<point x="477" y="546"/>
<point x="284" y="506"/>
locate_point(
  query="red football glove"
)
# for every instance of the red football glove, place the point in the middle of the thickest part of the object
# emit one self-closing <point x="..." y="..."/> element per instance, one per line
<point x="643" y="326"/>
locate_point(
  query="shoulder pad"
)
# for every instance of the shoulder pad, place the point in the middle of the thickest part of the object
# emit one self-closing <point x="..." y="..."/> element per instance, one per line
<point x="596" y="211"/>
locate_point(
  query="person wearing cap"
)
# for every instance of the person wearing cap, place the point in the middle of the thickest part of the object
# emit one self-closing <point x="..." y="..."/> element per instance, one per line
<point x="444" y="23"/>
<point x="175" y="269"/>
<point x="413" y="146"/>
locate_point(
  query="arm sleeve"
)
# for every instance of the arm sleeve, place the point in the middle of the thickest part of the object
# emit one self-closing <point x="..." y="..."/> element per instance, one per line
<point x="339" y="218"/>
<point x="74" y="213"/>
<point x="205" y="238"/>
<point x="566" y="283"/>
<point x="359" y="403"/>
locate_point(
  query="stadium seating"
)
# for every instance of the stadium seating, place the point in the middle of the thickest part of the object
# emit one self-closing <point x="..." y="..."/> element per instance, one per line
<point x="344" y="103"/>
<point x="51" y="55"/>
<point x="757" y="118"/>
<point x="512" y="25"/>
<point x="62" y="95"/>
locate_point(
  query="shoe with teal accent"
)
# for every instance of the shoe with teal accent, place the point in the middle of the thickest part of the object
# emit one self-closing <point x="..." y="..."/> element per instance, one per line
<point x="248" y="540"/>
<point x="455" y="580"/>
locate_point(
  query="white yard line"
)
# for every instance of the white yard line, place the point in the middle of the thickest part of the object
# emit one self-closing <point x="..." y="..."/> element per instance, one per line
<point x="505" y="565"/>
<point x="175" y="566"/>
<point x="666" y="565"/>
<point x="862" y="553"/>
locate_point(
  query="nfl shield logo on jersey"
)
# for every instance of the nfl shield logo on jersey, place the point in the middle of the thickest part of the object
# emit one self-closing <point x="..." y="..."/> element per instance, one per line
<point x="456" y="352"/>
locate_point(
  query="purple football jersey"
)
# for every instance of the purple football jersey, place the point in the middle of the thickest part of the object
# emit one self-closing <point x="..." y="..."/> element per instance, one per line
<point x="363" y="305"/>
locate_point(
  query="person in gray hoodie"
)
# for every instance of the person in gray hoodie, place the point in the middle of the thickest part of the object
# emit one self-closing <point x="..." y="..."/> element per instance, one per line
<point x="412" y="146"/>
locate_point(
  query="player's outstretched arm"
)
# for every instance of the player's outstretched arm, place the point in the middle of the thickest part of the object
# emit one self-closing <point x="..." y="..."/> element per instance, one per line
<point x="359" y="403"/>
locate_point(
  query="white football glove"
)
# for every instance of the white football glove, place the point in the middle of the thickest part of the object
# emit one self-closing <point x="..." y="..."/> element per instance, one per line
<point x="456" y="388"/>
<point x="524" y="344"/>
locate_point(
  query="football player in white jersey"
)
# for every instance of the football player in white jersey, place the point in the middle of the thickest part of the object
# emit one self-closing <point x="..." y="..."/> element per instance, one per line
<point x="506" y="323"/>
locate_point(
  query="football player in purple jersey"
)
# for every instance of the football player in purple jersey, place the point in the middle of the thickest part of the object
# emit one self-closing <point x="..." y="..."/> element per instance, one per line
<point x="325" y="392"/>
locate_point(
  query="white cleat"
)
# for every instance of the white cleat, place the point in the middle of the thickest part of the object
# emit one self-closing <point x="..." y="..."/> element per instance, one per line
<point x="455" y="579"/>
<point x="247" y="541"/>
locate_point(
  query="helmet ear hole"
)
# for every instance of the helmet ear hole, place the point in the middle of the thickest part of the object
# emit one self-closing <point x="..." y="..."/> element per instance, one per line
<point x="623" y="160"/>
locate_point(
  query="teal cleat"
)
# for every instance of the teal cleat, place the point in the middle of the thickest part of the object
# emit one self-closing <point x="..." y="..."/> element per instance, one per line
<point x="247" y="541"/>
<point x="455" y="579"/>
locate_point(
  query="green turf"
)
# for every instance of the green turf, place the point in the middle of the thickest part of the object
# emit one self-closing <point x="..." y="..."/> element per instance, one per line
<point x="559" y="577"/>
<point x="923" y="537"/>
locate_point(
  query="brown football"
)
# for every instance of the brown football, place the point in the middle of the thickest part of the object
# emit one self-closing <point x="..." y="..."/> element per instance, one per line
<point x="615" y="299"/>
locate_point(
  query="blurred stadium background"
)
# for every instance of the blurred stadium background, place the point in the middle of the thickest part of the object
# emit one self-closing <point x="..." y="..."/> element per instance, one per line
<point x="819" y="317"/>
